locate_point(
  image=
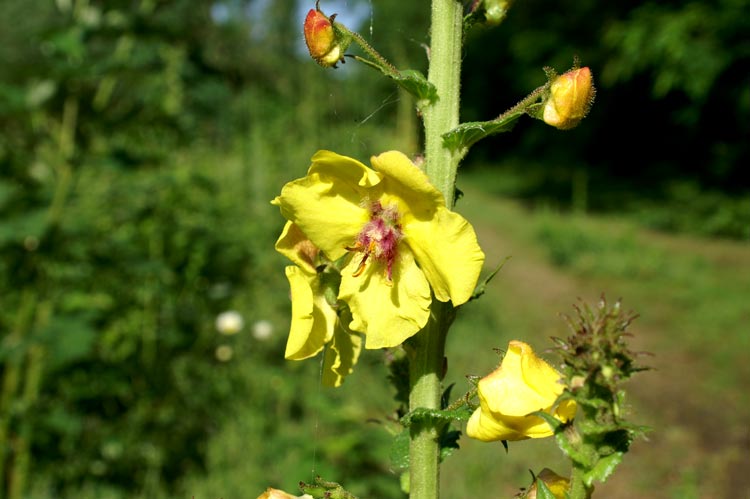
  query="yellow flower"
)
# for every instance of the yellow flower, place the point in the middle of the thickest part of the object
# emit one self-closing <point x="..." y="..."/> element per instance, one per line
<point x="315" y="321"/>
<point x="571" y="96"/>
<point x="522" y="384"/>
<point x="555" y="483"/>
<point x="400" y="239"/>
<point x="272" y="493"/>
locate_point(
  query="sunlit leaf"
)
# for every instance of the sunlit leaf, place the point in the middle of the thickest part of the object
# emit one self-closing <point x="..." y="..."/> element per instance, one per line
<point x="465" y="135"/>
<point x="603" y="468"/>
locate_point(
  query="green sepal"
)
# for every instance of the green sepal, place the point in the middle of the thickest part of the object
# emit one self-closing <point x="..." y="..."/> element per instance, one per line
<point x="481" y="288"/>
<point x="542" y="491"/>
<point x="556" y="425"/>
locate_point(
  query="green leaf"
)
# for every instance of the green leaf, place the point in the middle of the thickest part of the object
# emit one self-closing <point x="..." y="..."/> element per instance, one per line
<point x="322" y="489"/>
<point x="481" y="288"/>
<point x="448" y="441"/>
<point x="603" y="469"/>
<point x="465" y="135"/>
<point x="446" y="397"/>
<point x="462" y="413"/>
<point x="68" y="338"/>
<point x="21" y="226"/>
<point x="542" y="491"/>
<point x="416" y="84"/>
<point x="400" y="450"/>
<point x="410" y="80"/>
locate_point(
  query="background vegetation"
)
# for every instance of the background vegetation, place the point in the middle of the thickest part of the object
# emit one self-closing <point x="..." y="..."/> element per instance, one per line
<point x="141" y="142"/>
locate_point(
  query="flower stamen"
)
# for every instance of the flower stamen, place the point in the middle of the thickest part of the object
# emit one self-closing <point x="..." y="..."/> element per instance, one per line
<point x="379" y="238"/>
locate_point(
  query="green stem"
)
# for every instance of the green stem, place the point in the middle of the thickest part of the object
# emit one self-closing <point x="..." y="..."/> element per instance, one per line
<point x="427" y="362"/>
<point x="444" y="74"/>
<point x="578" y="489"/>
<point x="12" y="376"/>
<point x="426" y="366"/>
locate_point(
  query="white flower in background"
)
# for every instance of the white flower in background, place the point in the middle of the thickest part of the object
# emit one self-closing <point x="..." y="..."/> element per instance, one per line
<point x="224" y="353"/>
<point x="229" y="322"/>
<point x="262" y="330"/>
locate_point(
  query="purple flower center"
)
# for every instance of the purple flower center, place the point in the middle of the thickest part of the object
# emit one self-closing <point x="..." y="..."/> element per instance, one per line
<point x="378" y="239"/>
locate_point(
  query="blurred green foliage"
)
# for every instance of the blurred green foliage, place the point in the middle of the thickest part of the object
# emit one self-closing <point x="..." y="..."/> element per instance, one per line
<point x="672" y="103"/>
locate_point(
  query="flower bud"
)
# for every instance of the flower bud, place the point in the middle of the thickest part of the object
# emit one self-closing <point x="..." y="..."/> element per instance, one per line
<point x="495" y="11"/>
<point x="570" y="98"/>
<point x="325" y="42"/>
<point x="554" y="482"/>
<point x="272" y="493"/>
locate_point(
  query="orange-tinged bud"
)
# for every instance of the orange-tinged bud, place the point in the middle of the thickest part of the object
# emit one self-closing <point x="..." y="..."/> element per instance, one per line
<point x="571" y="95"/>
<point x="556" y="484"/>
<point x="325" y="42"/>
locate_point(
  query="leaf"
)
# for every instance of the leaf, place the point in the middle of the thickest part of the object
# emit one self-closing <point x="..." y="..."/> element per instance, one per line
<point x="542" y="491"/>
<point x="410" y="80"/>
<point x="17" y="228"/>
<point x="603" y="469"/>
<point x="322" y="489"/>
<point x="400" y="450"/>
<point x="416" y="84"/>
<point x="446" y="397"/>
<point x="481" y="288"/>
<point x="448" y="443"/>
<point x="68" y="338"/>
<point x="462" y="413"/>
<point x="465" y="135"/>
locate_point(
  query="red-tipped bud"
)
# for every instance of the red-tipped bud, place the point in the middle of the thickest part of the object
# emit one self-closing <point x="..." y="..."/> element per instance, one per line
<point x="570" y="99"/>
<point x="324" y="41"/>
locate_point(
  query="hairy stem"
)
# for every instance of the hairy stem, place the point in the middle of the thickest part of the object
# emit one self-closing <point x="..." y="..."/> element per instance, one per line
<point x="427" y="359"/>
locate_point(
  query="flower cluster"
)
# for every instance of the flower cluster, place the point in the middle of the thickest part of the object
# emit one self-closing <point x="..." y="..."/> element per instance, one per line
<point x="388" y="244"/>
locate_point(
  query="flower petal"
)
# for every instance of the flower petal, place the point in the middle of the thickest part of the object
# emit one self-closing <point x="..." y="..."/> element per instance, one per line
<point x="388" y="313"/>
<point x="313" y="319"/>
<point x="293" y="244"/>
<point x="327" y="203"/>
<point x="330" y="165"/>
<point x="447" y="251"/>
<point x="405" y="180"/>
<point x="488" y="429"/>
<point x="341" y="356"/>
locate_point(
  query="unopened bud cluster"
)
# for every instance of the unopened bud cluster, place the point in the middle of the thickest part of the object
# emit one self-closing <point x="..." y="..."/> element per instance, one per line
<point x="596" y="358"/>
